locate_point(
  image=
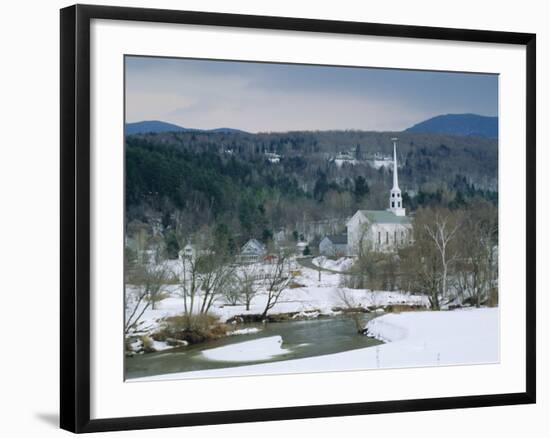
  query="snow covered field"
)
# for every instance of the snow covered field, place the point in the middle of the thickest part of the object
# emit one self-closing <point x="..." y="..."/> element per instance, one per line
<point x="468" y="336"/>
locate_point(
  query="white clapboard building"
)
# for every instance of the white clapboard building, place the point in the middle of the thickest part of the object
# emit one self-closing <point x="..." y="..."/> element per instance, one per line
<point x="381" y="230"/>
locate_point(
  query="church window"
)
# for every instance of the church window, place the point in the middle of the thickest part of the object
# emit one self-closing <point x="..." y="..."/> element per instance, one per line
<point x="393" y="195"/>
<point x="392" y="204"/>
<point x="379" y="238"/>
<point x="387" y="237"/>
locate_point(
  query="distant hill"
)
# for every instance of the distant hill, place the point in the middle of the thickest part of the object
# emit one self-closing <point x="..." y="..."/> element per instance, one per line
<point x="459" y="124"/>
<point x="152" y="126"/>
<point x="156" y="126"/>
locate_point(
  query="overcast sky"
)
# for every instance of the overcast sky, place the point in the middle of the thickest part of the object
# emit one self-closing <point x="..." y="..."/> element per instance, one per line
<point x="282" y="97"/>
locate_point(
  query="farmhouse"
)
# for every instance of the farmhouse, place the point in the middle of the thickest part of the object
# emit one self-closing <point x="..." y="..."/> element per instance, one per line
<point x="252" y="251"/>
<point x="381" y="230"/>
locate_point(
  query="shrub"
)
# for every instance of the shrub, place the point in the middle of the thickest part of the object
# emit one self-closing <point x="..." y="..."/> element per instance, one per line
<point x="191" y="328"/>
<point x="147" y="343"/>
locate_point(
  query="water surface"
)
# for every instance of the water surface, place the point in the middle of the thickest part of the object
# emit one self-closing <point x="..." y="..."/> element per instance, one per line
<point x="301" y="339"/>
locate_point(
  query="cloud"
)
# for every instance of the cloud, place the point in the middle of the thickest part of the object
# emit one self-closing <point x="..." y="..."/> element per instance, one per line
<point x="280" y="97"/>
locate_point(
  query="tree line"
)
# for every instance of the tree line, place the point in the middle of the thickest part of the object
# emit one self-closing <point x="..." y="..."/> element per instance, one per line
<point x="453" y="258"/>
<point x="225" y="182"/>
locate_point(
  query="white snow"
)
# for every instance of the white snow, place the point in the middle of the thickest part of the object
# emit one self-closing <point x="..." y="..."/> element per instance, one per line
<point x="160" y="346"/>
<point x="244" y="331"/>
<point x="340" y="162"/>
<point x="340" y="265"/>
<point x="249" y="351"/>
<point x="414" y="339"/>
<point x="377" y="164"/>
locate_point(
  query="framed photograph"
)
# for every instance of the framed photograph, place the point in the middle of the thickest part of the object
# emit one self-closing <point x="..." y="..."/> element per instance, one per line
<point x="268" y="218"/>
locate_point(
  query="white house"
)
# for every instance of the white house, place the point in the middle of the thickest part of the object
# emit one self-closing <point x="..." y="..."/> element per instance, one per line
<point x="301" y="247"/>
<point x="252" y="251"/>
<point x="381" y="230"/>
<point x="334" y="245"/>
<point x="343" y="158"/>
<point x="273" y="157"/>
<point x="188" y="252"/>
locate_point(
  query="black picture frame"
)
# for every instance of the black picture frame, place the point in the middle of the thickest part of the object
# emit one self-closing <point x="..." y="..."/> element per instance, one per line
<point x="75" y="217"/>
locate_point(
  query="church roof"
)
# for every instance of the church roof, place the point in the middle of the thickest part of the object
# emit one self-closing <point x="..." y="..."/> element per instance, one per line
<point x="385" y="217"/>
<point x="338" y="239"/>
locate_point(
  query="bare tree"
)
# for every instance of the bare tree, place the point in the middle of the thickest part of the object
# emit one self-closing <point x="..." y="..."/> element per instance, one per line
<point x="148" y="282"/>
<point x="476" y="269"/>
<point x="421" y="270"/>
<point x="364" y="242"/>
<point x="189" y="283"/>
<point x="420" y="264"/>
<point x="232" y="292"/>
<point x="246" y="279"/>
<point x="217" y="274"/>
<point x="352" y="308"/>
<point x="442" y="230"/>
<point x="276" y="279"/>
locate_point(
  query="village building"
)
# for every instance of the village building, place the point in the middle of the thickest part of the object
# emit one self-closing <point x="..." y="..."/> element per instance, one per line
<point x="187" y="253"/>
<point x="344" y="158"/>
<point x="381" y="230"/>
<point x="252" y="252"/>
<point x="273" y="157"/>
<point x="301" y="247"/>
<point x="335" y="245"/>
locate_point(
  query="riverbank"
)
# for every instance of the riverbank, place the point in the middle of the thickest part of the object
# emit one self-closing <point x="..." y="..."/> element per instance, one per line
<point x="413" y="339"/>
<point x="313" y="297"/>
<point x="258" y="343"/>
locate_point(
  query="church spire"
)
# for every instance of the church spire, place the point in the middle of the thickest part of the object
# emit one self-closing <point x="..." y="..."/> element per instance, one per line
<point x="396" y="201"/>
<point x="395" y="182"/>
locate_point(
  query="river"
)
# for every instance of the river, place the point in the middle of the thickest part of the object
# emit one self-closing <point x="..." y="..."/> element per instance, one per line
<point x="300" y="338"/>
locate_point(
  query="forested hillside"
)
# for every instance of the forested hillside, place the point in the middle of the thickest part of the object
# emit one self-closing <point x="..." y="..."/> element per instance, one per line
<point x="230" y="183"/>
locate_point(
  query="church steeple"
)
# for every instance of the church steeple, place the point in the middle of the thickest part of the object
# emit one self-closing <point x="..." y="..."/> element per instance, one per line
<point x="396" y="201"/>
<point x="395" y="182"/>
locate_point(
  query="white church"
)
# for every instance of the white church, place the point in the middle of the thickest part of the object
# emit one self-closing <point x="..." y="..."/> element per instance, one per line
<point x="381" y="230"/>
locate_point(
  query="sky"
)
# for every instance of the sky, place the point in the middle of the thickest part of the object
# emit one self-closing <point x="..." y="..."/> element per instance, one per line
<point x="269" y="97"/>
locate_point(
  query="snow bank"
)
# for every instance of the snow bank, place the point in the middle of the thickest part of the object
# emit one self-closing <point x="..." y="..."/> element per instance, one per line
<point x="341" y="265"/>
<point x="161" y="346"/>
<point x="438" y="338"/>
<point x="416" y="339"/>
<point x="244" y="331"/>
<point x="259" y="349"/>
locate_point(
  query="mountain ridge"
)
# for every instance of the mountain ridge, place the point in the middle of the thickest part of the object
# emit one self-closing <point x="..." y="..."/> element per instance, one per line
<point x="158" y="126"/>
<point x="459" y="124"/>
